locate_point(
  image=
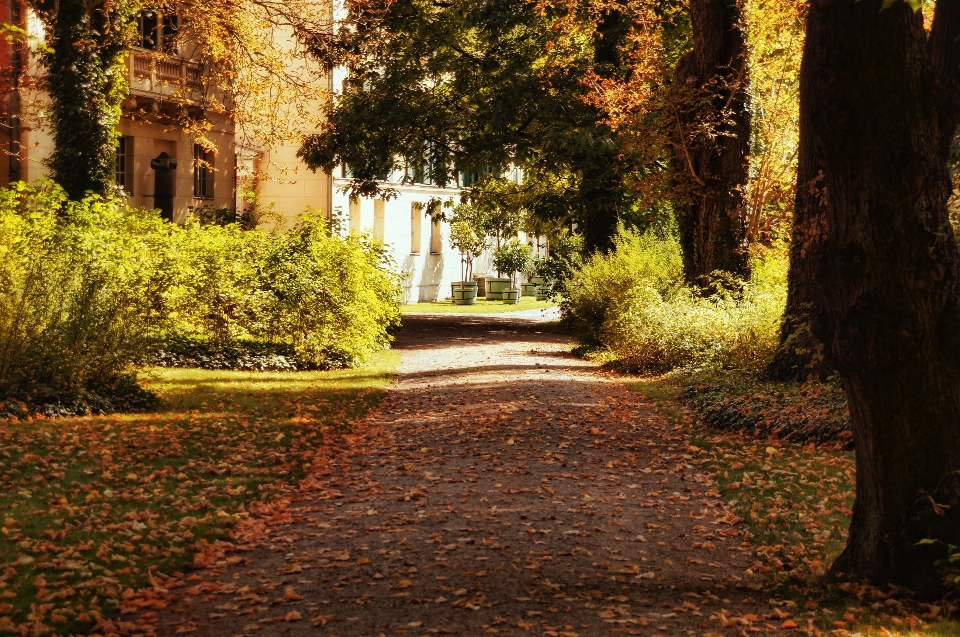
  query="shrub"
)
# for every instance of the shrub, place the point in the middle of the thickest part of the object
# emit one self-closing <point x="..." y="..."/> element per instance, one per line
<point x="336" y="300"/>
<point x="89" y="288"/>
<point x="80" y="295"/>
<point x="215" y="289"/>
<point x="633" y="302"/>
<point x="637" y="261"/>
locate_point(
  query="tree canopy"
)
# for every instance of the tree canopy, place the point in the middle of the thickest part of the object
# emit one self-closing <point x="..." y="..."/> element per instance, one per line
<point x="451" y="92"/>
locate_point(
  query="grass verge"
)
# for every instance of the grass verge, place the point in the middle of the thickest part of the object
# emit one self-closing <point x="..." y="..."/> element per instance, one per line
<point x="795" y="503"/>
<point x="93" y="506"/>
<point x="482" y="306"/>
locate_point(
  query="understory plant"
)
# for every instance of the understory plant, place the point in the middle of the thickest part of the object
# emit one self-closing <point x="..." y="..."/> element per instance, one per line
<point x="633" y="302"/>
<point x="334" y="299"/>
<point x="82" y="288"/>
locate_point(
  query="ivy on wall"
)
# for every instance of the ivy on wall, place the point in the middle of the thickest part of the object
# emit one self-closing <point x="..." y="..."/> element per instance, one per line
<point x="84" y="54"/>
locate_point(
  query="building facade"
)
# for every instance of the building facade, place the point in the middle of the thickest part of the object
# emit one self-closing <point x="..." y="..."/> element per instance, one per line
<point x="163" y="87"/>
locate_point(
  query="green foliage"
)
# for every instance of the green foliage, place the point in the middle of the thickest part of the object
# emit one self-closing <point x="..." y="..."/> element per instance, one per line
<point x="512" y="257"/>
<point x="637" y="261"/>
<point x="466" y="88"/>
<point x="88" y="288"/>
<point x="214" y="281"/>
<point x="564" y="258"/>
<point x="335" y="299"/>
<point x="86" y="80"/>
<point x="79" y="296"/>
<point x="633" y="302"/>
<point x="949" y="564"/>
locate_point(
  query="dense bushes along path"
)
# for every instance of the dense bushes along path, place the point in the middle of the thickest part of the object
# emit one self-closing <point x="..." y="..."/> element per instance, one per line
<point x="504" y="486"/>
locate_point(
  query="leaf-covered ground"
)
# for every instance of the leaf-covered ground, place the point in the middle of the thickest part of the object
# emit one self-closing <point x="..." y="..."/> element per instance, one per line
<point x="93" y="507"/>
<point x="734" y="401"/>
<point x="504" y="487"/>
<point x="794" y="499"/>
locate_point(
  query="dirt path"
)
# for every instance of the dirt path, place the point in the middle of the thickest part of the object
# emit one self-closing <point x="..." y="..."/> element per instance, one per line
<point x="511" y="489"/>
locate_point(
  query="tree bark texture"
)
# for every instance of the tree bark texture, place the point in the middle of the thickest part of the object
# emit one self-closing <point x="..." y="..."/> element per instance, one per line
<point x="878" y="110"/>
<point x="601" y="195"/>
<point x="709" y="92"/>
<point x="799" y="354"/>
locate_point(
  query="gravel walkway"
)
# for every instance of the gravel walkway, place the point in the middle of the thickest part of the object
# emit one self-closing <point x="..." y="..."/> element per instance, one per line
<point x="503" y="487"/>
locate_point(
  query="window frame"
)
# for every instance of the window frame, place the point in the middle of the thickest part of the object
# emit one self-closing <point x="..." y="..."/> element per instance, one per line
<point x="354" y="215"/>
<point x="436" y="237"/>
<point x="123" y="172"/>
<point x="204" y="170"/>
<point x="153" y="27"/>
<point x="379" y="219"/>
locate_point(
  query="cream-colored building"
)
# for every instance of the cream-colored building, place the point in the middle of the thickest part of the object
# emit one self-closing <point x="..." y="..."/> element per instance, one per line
<point x="162" y="87"/>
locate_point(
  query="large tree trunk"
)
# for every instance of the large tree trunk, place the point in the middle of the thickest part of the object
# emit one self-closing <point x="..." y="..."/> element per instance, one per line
<point x="878" y="110"/>
<point x="710" y="89"/>
<point x="600" y="195"/>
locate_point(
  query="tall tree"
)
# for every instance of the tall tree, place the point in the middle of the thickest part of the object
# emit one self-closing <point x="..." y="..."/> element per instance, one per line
<point x="711" y="141"/>
<point x="880" y="102"/>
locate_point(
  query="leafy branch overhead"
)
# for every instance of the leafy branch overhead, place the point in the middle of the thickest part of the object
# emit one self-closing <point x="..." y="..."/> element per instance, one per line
<point x="470" y="88"/>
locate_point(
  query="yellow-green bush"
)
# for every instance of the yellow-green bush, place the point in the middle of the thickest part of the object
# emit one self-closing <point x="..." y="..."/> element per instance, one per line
<point x="638" y="261"/>
<point x="88" y="288"/>
<point x="632" y="302"/>
<point x="335" y="299"/>
<point x="79" y="292"/>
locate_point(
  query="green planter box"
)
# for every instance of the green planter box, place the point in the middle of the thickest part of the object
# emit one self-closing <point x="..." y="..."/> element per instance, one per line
<point x="544" y="292"/>
<point x="463" y="285"/>
<point x="511" y="296"/>
<point x="528" y="289"/>
<point x="465" y="296"/>
<point x="464" y="292"/>
<point x="496" y="288"/>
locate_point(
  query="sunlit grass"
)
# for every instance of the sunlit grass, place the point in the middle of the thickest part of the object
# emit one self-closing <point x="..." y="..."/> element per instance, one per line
<point x="482" y="306"/>
<point x="91" y="505"/>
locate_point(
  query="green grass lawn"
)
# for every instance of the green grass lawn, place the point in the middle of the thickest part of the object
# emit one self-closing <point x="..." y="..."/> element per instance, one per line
<point x="91" y="505"/>
<point x="482" y="306"/>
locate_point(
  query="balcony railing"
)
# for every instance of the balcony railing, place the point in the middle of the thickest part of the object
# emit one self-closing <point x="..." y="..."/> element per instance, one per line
<point x="163" y="74"/>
